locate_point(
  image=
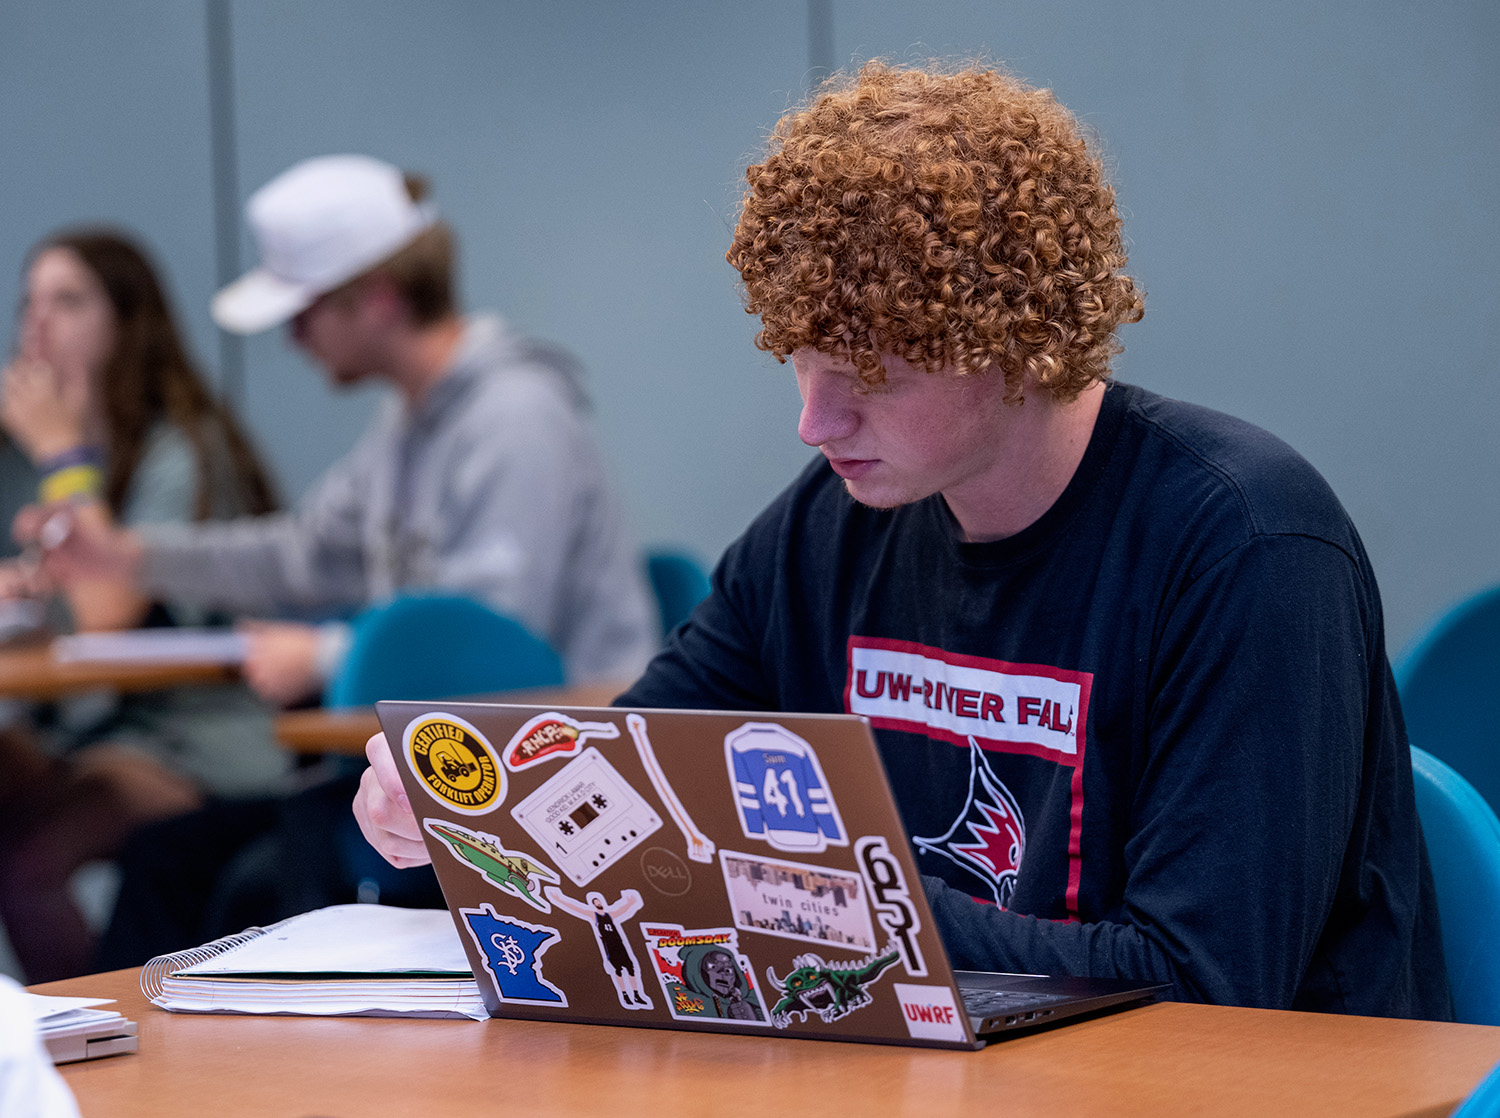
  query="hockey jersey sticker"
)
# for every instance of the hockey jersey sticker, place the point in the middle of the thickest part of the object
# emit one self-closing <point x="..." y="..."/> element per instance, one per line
<point x="779" y="789"/>
<point x="899" y="685"/>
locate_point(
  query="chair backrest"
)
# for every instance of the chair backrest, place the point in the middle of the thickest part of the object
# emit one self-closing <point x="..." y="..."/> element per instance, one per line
<point x="437" y="646"/>
<point x="680" y="583"/>
<point x="1484" y="1100"/>
<point x="1449" y="679"/>
<point x="1463" y="841"/>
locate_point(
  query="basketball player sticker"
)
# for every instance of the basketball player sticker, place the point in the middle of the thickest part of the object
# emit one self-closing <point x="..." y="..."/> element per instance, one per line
<point x="608" y="924"/>
<point x="512" y="952"/>
<point x="454" y="763"/>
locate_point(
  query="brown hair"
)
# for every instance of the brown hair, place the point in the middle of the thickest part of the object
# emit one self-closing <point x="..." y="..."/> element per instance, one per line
<point x="422" y="271"/>
<point x="149" y="378"/>
<point x="956" y="220"/>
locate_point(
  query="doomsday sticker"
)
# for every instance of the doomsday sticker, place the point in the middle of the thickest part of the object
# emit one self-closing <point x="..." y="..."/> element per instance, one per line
<point x="552" y="735"/>
<point x="607" y="921"/>
<point x="512" y="951"/>
<point x="829" y="990"/>
<point x="779" y="790"/>
<point x="510" y="870"/>
<point x="586" y="817"/>
<point x="454" y="763"/>
<point x="703" y="975"/>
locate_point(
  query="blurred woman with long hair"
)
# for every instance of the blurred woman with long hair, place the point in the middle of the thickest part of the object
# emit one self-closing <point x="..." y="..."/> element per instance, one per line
<point x="103" y="399"/>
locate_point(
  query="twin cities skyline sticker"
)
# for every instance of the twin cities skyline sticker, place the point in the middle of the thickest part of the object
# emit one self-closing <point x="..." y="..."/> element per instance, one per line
<point x="454" y="762"/>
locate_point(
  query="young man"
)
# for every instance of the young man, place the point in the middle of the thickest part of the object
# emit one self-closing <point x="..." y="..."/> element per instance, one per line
<point x="480" y="475"/>
<point x="1124" y="656"/>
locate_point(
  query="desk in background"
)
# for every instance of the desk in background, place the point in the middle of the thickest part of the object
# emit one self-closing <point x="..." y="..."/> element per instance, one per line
<point x="30" y="672"/>
<point x="1163" y="1059"/>
<point x="325" y="730"/>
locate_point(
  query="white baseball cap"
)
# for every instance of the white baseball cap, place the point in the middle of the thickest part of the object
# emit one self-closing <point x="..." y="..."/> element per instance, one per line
<point x="316" y="225"/>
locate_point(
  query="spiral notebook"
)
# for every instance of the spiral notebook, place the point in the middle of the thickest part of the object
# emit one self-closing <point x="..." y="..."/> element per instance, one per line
<point x="358" y="960"/>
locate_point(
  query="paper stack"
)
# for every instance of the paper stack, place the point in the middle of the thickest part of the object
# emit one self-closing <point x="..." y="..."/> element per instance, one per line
<point x="76" y="1029"/>
<point x="359" y="960"/>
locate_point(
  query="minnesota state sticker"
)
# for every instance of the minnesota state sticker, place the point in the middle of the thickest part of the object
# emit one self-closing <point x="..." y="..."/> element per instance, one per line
<point x="454" y="762"/>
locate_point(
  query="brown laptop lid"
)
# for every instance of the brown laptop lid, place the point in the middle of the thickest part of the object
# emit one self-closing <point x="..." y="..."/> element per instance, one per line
<point x="680" y="869"/>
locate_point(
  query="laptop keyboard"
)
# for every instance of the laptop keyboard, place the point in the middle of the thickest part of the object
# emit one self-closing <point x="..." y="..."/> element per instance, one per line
<point x="992" y="1003"/>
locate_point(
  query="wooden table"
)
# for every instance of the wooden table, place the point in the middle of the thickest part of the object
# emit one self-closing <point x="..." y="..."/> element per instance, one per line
<point x="1162" y="1059"/>
<point x="30" y="672"/>
<point x="327" y="730"/>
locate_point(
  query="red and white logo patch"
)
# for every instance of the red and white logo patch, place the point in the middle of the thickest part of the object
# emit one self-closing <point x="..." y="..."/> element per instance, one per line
<point x="904" y="686"/>
<point x="930" y="1012"/>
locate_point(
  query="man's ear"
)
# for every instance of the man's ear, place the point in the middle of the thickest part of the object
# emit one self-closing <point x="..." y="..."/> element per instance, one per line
<point x="382" y="303"/>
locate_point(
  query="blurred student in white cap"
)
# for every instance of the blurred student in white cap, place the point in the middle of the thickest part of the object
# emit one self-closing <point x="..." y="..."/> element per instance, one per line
<point x="480" y="475"/>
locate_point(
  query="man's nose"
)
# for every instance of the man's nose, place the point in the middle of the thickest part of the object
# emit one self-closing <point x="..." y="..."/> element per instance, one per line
<point x="827" y="412"/>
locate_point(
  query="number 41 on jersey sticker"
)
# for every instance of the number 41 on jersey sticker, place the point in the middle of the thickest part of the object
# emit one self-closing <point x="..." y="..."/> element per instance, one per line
<point x="779" y="789"/>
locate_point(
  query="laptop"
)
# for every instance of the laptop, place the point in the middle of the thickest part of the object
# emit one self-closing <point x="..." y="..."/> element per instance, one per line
<point x="710" y="870"/>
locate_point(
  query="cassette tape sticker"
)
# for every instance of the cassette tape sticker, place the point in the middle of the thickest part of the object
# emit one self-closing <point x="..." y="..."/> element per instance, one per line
<point x="797" y="901"/>
<point x="508" y="870"/>
<point x="703" y="975"/>
<point x="779" y="789"/>
<point x="608" y="924"/>
<point x="512" y="951"/>
<point x="586" y="817"/>
<point x="551" y="736"/>
<point x="454" y="763"/>
<point x="827" y="990"/>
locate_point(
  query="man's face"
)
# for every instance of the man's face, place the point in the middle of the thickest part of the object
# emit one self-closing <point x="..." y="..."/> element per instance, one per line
<point x="336" y="331"/>
<point x="920" y="434"/>
<point x="718" y="972"/>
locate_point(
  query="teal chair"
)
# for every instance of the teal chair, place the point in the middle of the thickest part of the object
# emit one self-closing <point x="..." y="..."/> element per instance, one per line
<point x="1449" y="679"/>
<point x="1463" y="842"/>
<point x="1484" y="1100"/>
<point x="680" y="583"/>
<point x="425" y="646"/>
<point x="438" y="646"/>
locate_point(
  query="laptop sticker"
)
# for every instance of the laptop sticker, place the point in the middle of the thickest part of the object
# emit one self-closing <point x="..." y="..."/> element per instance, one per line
<point x="454" y="762"/>
<point x="700" y="848"/>
<point x="827" y="990"/>
<point x="779" y="789"/>
<point x="586" y="817"/>
<point x="797" y="901"/>
<point x="703" y="975"/>
<point x="607" y="921"/>
<point x="512" y="951"/>
<point x="509" y="870"/>
<point x="930" y="1012"/>
<point x="891" y="900"/>
<point x="550" y="736"/>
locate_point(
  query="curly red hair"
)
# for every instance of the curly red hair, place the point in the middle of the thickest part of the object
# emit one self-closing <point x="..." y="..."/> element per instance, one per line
<point x="956" y="220"/>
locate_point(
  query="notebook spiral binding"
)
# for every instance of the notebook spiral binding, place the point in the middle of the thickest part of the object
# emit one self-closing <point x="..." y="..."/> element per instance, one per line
<point x="163" y="965"/>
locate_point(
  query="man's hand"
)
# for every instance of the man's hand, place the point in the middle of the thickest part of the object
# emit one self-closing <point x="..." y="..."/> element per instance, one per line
<point x="281" y="661"/>
<point x="79" y="539"/>
<point x="384" y="813"/>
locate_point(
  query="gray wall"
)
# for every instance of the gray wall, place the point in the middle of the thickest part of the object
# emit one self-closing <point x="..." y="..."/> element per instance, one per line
<point x="1301" y="184"/>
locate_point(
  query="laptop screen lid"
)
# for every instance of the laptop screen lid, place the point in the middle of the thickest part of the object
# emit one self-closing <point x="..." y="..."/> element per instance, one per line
<point x="702" y="870"/>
